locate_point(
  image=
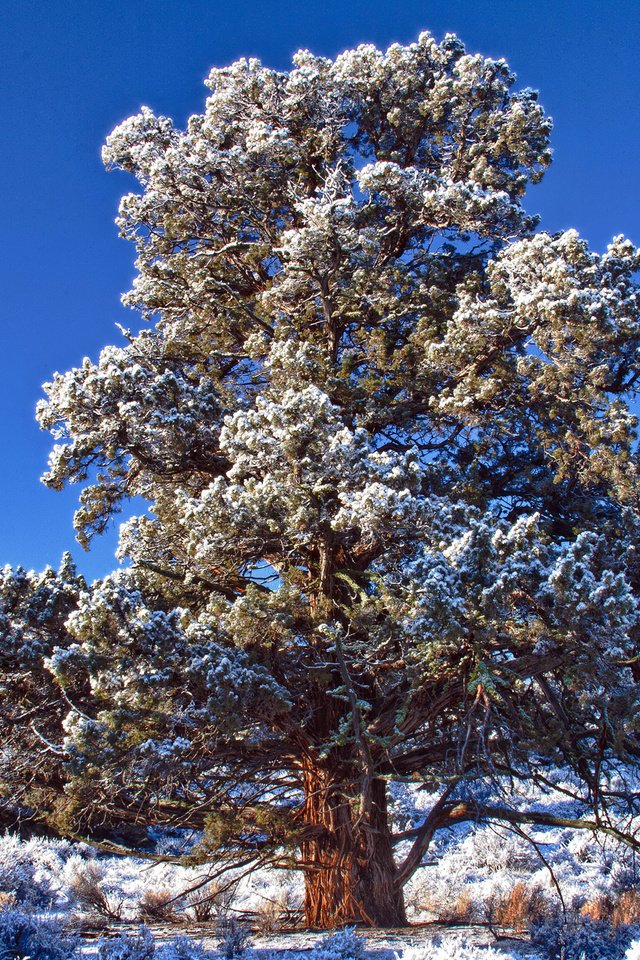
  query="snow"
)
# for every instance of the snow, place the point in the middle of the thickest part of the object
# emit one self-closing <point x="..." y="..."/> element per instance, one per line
<point x="472" y="871"/>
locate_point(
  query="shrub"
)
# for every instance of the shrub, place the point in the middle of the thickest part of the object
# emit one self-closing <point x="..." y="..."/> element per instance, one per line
<point x="85" y="884"/>
<point x="138" y="946"/>
<point x="141" y="946"/>
<point x="451" y="908"/>
<point x="599" y="908"/>
<point x="159" y="906"/>
<point x="182" y="948"/>
<point x="626" y="909"/>
<point x="619" y="910"/>
<point x="270" y="912"/>
<point x="455" y="949"/>
<point x="20" y="875"/>
<point x="279" y="906"/>
<point x="519" y="908"/>
<point x="24" y="936"/>
<point x="341" y="945"/>
<point x="210" y="901"/>
<point x="234" y="936"/>
<point x="581" y="938"/>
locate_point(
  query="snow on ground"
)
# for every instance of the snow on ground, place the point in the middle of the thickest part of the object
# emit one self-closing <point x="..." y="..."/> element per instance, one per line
<point x="482" y="891"/>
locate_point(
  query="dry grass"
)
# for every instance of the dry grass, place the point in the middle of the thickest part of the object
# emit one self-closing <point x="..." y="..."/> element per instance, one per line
<point x="209" y="902"/>
<point x="273" y="912"/>
<point x="617" y="909"/>
<point x="462" y="909"/>
<point x="518" y="908"/>
<point x="159" y="906"/>
<point x="85" y="884"/>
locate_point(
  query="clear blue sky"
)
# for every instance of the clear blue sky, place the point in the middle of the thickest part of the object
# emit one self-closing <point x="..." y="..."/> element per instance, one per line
<point x="71" y="70"/>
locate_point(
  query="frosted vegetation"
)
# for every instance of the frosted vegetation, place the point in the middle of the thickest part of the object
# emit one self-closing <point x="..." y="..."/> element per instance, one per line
<point x="515" y="895"/>
<point x="387" y="583"/>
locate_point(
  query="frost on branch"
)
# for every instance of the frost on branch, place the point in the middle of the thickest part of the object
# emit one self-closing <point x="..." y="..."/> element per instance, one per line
<point x="385" y="433"/>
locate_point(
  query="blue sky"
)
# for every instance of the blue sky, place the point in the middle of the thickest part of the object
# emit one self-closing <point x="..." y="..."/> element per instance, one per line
<point x="71" y="70"/>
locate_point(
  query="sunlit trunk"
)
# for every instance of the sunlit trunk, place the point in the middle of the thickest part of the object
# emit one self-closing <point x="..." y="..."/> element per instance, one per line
<point x="349" y="867"/>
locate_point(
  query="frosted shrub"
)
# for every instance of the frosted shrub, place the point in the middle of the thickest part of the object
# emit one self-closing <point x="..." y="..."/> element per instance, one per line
<point x="518" y="908"/>
<point x="277" y="903"/>
<point x="24" y="936"/>
<point x="492" y="850"/>
<point x="581" y="939"/>
<point x="451" y="905"/>
<point x="202" y="903"/>
<point x="212" y="900"/>
<point x="341" y="945"/>
<point x="455" y="949"/>
<point x="86" y="888"/>
<point x="271" y="911"/>
<point x="234" y="936"/>
<point x="139" y="946"/>
<point x="159" y="905"/>
<point x="21" y="875"/>
<point x="620" y="910"/>
<point x="182" y="948"/>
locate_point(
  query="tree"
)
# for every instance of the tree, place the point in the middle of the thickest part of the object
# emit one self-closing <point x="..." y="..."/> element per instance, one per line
<point x="33" y="611"/>
<point x="383" y="429"/>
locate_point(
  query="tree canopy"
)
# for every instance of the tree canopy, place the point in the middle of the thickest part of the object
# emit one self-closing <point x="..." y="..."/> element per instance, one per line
<point x="383" y="429"/>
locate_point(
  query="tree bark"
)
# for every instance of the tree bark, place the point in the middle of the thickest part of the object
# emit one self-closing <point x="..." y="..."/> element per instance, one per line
<point x="348" y="864"/>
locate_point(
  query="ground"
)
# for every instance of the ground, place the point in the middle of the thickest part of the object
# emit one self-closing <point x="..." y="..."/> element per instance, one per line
<point x="483" y="894"/>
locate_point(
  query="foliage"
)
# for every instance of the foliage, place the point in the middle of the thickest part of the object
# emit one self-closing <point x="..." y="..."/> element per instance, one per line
<point x="235" y="936"/>
<point x="384" y="431"/>
<point x="126" y="946"/>
<point x="26" y="936"/>
<point x="341" y="945"/>
<point x="142" y="946"/>
<point x="458" y="948"/>
<point x="575" y="940"/>
<point x="159" y="905"/>
<point x="87" y="889"/>
<point x="181" y="948"/>
<point x="21" y="874"/>
<point x="33" y="610"/>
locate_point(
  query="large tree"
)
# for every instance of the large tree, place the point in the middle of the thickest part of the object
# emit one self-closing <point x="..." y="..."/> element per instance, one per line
<point x="382" y="427"/>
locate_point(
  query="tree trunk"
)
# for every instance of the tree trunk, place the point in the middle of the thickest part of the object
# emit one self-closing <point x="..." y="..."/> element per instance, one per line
<point x="348" y="860"/>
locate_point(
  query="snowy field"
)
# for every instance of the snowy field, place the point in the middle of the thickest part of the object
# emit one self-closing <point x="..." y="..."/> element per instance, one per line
<point x="485" y="892"/>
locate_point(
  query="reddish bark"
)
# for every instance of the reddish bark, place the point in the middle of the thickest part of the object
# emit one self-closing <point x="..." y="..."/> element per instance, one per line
<point x="348" y="860"/>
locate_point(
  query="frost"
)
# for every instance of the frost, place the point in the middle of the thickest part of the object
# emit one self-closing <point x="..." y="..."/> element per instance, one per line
<point x="384" y="435"/>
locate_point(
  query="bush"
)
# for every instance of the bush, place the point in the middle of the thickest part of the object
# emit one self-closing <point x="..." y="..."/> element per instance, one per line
<point x="620" y="910"/>
<point x="341" y="945"/>
<point x="449" y="906"/>
<point x="141" y="946"/>
<point x="581" y="939"/>
<point x="209" y="901"/>
<point x="519" y="908"/>
<point x="182" y="948"/>
<point x="281" y="905"/>
<point x="24" y="936"/>
<point x="21" y="876"/>
<point x="160" y="906"/>
<point x="125" y="946"/>
<point x="455" y="949"/>
<point x="84" y="880"/>
<point x="234" y="936"/>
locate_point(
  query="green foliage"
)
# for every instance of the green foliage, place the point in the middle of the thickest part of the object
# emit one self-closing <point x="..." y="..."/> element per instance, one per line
<point x="385" y="435"/>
